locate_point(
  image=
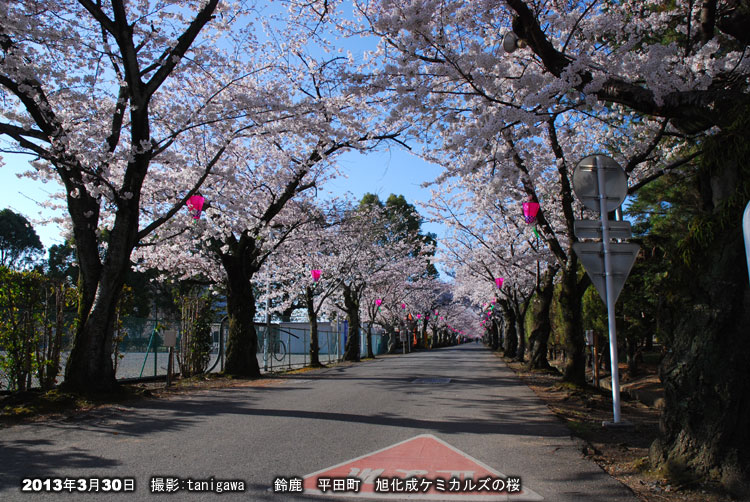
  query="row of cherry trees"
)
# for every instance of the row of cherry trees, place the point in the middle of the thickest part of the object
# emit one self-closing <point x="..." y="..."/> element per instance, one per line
<point x="134" y="107"/>
<point x="509" y="95"/>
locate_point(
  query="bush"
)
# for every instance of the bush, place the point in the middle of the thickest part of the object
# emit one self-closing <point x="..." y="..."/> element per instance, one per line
<point x="32" y="327"/>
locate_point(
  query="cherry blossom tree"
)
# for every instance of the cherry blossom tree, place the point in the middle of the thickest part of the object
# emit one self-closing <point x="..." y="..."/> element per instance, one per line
<point x="378" y="261"/>
<point x="479" y="110"/>
<point x="98" y="96"/>
<point x="489" y="240"/>
<point x="312" y="247"/>
<point x="685" y="64"/>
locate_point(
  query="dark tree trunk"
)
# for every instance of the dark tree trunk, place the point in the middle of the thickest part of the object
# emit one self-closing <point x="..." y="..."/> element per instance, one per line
<point x="572" y="323"/>
<point x="312" y="316"/>
<point x="631" y="345"/>
<point x="540" y="323"/>
<point x="89" y="367"/>
<point x="368" y="341"/>
<point x="497" y="327"/>
<point x="242" y="339"/>
<point x="519" y="311"/>
<point x="509" y="329"/>
<point x="706" y="374"/>
<point x="494" y="338"/>
<point x="351" y="304"/>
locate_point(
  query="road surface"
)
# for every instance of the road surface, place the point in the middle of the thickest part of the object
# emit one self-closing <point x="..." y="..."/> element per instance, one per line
<point x="455" y="413"/>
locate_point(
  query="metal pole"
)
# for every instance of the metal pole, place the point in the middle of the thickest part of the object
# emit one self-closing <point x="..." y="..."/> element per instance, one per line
<point x="596" y="362"/>
<point x="169" y="366"/>
<point x="266" y="340"/>
<point x="155" y="367"/>
<point x="610" y="293"/>
<point x="148" y="350"/>
<point x="221" y="343"/>
<point x="746" y="234"/>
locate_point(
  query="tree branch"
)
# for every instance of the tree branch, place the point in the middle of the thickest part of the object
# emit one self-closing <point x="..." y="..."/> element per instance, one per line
<point x="184" y="42"/>
<point x="666" y="169"/>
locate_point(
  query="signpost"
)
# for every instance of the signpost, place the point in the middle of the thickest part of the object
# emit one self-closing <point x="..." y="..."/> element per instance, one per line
<point x="170" y="340"/>
<point x="601" y="185"/>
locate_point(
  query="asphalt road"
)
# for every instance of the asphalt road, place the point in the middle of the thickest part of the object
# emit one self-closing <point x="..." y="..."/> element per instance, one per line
<point x="294" y="426"/>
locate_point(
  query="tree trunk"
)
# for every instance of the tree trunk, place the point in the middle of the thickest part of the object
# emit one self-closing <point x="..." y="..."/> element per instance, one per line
<point x="706" y="374"/>
<point x="631" y="345"/>
<point x="499" y="332"/>
<point x="368" y="341"/>
<point x="351" y="304"/>
<point x="509" y="329"/>
<point x="572" y="324"/>
<point x="89" y="367"/>
<point x="312" y="316"/>
<point x="493" y="333"/>
<point x="242" y="339"/>
<point x="519" y="312"/>
<point x="540" y="323"/>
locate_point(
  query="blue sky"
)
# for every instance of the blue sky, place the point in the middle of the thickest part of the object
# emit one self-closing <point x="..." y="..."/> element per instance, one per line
<point x="381" y="172"/>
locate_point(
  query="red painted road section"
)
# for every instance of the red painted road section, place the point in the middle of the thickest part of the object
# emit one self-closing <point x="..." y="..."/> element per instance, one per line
<point x="432" y="461"/>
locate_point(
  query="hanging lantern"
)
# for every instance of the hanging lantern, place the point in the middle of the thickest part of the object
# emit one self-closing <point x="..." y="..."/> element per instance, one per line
<point x="530" y="210"/>
<point x="195" y="205"/>
<point x="378" y="302"/>
<point x="419" y="316"/>
<point x="315" y="274"/>
<point x="403" y="306"/>
<point x="499" y="282"/>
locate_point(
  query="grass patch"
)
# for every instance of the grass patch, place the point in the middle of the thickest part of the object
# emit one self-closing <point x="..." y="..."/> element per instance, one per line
<point x="579" y="427"/>
<point x="641" y="465"/>
<point x="571" y="387"/>
<point x="22" y="406"/>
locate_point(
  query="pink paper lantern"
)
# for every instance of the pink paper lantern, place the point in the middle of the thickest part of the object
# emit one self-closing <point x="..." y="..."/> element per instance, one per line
<point x="530" y="210"/>
<point x="195" y="205"/>
<point x="499" y="282"/>
<point x="378" y="302"/>
<point x="315" y="274"/>
<point x="419" y="316"/>
<point x="403" y="306"/>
